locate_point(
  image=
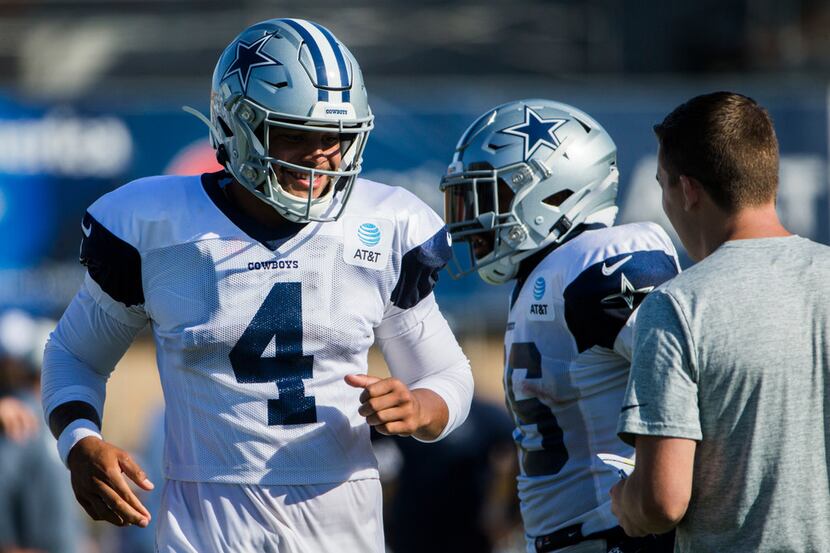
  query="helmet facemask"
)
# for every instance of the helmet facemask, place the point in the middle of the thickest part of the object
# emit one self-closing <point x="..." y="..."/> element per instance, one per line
<point x="478" y="209"/>
<point x="257" y="170"/>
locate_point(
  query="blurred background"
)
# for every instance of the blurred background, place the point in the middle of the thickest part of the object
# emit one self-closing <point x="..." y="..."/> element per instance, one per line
<point x="91" y="94"/>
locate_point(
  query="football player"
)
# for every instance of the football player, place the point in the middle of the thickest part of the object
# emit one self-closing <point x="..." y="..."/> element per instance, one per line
<point x="264" y="286"/>
<point x="531" y="190"/>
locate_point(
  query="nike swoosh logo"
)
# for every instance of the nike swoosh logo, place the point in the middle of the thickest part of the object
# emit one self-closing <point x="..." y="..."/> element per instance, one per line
<point x="627" y="407"/>
<point x="608" y="270"/>
<point x="86" y="230"/>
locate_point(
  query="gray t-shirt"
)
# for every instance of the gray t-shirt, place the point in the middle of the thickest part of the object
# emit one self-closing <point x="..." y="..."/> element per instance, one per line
<point x="735" y="354"/>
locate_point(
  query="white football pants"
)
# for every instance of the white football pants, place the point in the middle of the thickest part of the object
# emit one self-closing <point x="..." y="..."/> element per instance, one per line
<point x="201" y="517"/>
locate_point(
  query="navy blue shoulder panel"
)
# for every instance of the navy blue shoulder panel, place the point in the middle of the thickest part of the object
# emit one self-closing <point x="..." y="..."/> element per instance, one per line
<point x="419" y="270"/>
<point x="111" y="262"/>
<point x="600" y="300"/>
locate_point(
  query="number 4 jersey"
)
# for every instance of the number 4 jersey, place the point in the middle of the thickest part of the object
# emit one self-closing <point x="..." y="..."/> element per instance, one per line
<point x="568" y="353"/>
<point x="254" y="332"/>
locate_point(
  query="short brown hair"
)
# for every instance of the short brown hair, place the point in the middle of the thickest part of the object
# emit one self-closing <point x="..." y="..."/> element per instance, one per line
<point x="727" y="142"/>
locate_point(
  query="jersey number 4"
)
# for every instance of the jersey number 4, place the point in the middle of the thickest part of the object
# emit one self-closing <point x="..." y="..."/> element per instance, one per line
<point x="552" y="455"/>
<point x="279" y="319"/>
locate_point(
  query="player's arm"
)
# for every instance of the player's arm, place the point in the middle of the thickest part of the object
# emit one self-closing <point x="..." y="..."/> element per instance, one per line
<point x="80" y="355"/>
<point x="94" y="332"/>
<point x="655" y="497"/>
<point x="431" y="388"/>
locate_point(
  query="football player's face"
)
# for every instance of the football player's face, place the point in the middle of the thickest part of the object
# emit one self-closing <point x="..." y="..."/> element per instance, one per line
<point x="315" y="150"/>
<point x="482" y="244"/>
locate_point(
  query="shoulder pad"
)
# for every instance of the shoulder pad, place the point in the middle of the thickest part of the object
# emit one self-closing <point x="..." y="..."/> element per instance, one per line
<point x="151" y="212"/>
<point x="600" y="299"/>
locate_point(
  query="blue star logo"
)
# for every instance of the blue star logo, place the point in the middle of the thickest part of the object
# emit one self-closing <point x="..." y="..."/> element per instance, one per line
<point x="536" y="131"/>
<point x="249" y="56"/>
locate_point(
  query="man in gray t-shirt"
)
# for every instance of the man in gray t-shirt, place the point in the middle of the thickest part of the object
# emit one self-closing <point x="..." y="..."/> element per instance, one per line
<point x="733" y="354"/>
<point x="727" y="401"/>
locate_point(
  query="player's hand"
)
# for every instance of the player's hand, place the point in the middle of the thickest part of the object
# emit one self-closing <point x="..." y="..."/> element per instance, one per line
<point x="388" y="405"/>
<point x="17" y="421"/>
<point x="628" y="525"/>
<point x="98" y="479"/>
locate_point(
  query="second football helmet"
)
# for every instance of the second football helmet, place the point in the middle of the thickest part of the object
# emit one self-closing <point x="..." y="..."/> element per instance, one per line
<point x="523" y="176"/>
<point x="293" y="74"/>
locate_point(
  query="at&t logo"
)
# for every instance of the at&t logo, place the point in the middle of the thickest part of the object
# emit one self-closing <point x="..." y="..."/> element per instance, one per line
<point x="538" y="288"/>
<point x="538" y="294"/>
<point x="369" y="235"/>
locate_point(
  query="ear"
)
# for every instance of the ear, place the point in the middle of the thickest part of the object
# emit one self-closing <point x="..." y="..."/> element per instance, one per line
<point x="692" y="191"/>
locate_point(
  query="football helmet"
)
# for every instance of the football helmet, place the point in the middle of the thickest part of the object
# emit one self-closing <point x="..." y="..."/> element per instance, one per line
<point x="293" y="74"/>
<point x="523" y="176"/>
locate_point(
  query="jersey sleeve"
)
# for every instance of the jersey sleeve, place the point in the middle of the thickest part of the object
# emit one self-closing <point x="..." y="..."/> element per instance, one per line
<point x="115" y="266"/>
<point x="602" y="298"/>
<point x="425" y="246"/>
<point x="419" y="269"/>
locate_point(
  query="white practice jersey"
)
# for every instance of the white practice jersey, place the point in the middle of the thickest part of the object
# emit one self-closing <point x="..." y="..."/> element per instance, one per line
<point x="568" y="349"/>
<point x="254" y="336"/>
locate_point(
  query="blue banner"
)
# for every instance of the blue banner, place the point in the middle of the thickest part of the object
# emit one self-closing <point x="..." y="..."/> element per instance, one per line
<point x="55" y="160"/>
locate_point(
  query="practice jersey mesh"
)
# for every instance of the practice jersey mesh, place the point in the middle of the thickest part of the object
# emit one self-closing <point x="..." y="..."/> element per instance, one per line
<point x="567" y="361"/>
<point x="253" y="343"/>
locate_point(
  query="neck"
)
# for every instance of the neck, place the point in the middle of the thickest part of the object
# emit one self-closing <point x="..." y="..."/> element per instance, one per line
<point x="253" y="207"/>
<point x="744" y="224"/>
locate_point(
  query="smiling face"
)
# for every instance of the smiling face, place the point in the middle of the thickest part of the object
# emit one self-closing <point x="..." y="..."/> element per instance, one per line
<point x="312" y="149"/>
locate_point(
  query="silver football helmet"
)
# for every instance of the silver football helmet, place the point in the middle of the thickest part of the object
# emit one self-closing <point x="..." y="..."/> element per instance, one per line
<point x="293" y="74"/>
<point x="523" y="176"/>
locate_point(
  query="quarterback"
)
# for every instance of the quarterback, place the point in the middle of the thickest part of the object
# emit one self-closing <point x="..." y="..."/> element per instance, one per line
<point x="532" y="192"/>
<point x="264" y="286"/>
